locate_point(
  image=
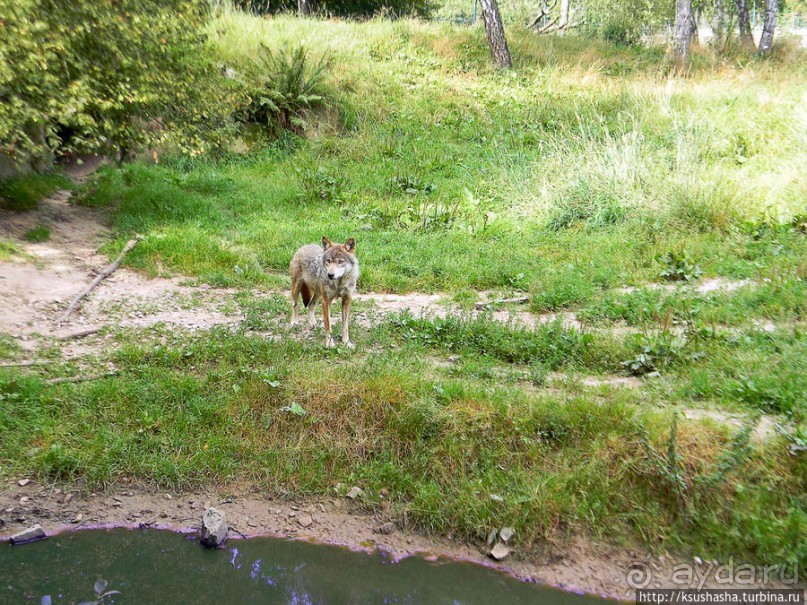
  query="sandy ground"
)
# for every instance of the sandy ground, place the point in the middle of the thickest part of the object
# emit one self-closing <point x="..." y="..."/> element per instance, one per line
<point x="35" y="290"/>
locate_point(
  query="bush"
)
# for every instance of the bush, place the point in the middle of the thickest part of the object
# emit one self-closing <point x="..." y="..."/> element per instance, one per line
<point x="343" y="8"/>
<point x="102" y="76"/>
<point x="621" y="32"/>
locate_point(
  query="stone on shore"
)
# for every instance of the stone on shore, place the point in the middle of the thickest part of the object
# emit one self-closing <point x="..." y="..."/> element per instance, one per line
<point x="29" y="535"/>
<point x="214" y="528"/>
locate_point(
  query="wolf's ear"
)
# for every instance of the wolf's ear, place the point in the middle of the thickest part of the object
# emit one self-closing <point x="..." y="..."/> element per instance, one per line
<point x="326" y="243"/>
<point x="350" y="244"/>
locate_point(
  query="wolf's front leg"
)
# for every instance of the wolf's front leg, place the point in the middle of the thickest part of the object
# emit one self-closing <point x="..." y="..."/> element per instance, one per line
<point x="346" y="322"/>
<point x="326" y="317"/>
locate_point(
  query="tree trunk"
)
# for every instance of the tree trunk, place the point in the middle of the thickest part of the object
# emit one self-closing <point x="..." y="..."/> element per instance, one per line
<point x="495" y="32"/>
<point x="693" y="27"/>
<point x="746" y="37"/>
<point x="683" y="32"/>
<point x="564" y="14"/>
<point x="306" y="7"/>
<point x="719" y="22"/>
<point x="766" y="41"/>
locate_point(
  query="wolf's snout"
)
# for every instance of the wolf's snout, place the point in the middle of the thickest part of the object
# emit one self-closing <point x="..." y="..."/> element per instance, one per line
<point x="330" y="275"/>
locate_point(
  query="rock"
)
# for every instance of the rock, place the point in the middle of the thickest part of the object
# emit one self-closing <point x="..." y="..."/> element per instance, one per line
<point x="499" y="552"/>
<point x="214" y="528"/>
<point x="385" y="529"/>
<point x="23" y="482"/>
<point x="492" y="536"/>
<point x="305" y="520"/>
<point x="355" y="492"/>
<point x="67" y="498"/>
<point x="506" y="533"/>
<point x="29" y="535"/>
<point x="77" y="518"/>
<point x="698" y="561"/>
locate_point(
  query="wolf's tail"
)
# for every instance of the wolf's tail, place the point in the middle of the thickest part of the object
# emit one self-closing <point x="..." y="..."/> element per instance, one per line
<point x="306" y="293"/>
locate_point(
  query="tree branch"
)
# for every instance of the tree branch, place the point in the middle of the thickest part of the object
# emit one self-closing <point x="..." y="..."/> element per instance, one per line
<point x="101" y="276"/>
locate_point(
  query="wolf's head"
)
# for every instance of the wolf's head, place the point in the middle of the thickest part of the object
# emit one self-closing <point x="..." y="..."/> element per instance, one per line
<point x="338" y="258"/>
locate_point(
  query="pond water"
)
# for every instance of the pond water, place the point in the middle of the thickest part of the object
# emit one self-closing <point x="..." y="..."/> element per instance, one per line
<point x="163" y="567"/>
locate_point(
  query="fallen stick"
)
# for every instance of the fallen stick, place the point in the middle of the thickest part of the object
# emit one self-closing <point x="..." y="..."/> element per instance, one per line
<point x="520" y="300"/>
<point x="80" y="378"/>
<point x="103" y="274"/>
<point x="81" y="333"/>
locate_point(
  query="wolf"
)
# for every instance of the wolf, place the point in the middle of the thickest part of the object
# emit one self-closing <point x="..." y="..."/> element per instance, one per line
<point x="326" y="272"/>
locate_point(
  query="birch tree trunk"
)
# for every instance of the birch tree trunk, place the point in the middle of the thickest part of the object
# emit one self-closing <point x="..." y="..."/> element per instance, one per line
<point x="306" y="7"/>
<point x="495" y="32"/>
<point x="766" y="41"/>
<point x="564" y="14"/>
<point x="683" y="32"/>
<point x="744" y="22"/>
<point x="719" y="22"/>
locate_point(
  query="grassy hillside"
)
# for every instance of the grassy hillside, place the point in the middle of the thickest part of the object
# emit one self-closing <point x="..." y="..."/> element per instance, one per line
<point x="586" y="157"/>
<point x="584" y="170"/>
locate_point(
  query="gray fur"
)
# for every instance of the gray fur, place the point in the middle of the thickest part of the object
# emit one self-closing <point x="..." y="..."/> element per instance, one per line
<point x="310" y="268"/>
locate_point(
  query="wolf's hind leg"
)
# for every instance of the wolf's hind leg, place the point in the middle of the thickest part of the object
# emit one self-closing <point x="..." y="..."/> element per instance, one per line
<point x="295" y="294"/>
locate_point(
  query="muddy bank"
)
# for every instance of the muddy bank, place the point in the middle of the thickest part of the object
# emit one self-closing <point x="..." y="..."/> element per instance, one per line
<point x="580" y="565"/>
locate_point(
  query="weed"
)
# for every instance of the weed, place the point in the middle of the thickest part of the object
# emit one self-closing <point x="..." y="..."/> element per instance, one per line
<point x="40" y="233"/>
<point x="8" y="249"/>
<point x="412" y="185"/>
<point x="318" y="186"/>
<point x="679" y="267"/>
<point x="655" y="352"/>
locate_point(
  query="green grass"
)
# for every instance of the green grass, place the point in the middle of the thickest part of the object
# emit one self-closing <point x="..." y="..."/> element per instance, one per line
<point x="584" y="170"/>
<point x="25" y="192"/>
<point x="40" y="233"/>
<point x="571" y="178"/>
<point x="8" y="249"/>
<point x="459" y="453"/>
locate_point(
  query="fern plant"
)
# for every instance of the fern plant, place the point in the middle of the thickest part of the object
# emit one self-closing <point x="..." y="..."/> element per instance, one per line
<point x="286" y="84"/>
